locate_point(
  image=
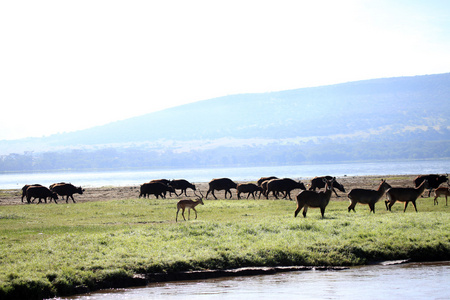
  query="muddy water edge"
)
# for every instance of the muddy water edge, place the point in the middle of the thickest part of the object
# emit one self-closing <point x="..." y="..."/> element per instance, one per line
<point x="389" y="280"/>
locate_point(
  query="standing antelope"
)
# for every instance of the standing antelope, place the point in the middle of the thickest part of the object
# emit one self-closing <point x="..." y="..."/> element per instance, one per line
<point x="189" y="204"/>
<point x="405" y="195"/>
<point x="441" y="191"/>
<point x="315" y="199"/>
<point x="365" y="196"/>
<point x="318" y="183"/>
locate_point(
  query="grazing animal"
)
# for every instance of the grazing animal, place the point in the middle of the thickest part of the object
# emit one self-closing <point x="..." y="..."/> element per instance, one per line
<point x="41" y="192"/>
<point x="183" y="185"/>
<point x="405" y="195"/>
<point x="264" y="188"/>
<point x="24" y="190"/>
<point x="369" y="197"/>
<point x="315" y="199"/>
<point x="189" y="204"/>
<point x="220" y="184"/>
<point x="441" y="191"/>
<point x="53" y="184"/>
<point x="66" y="189"/>
<point x="318" y="182"/>
<point x="285" y="185"/>
<point x="434" y="181"/>
<point x="249" y="188"/>
<point x="262" y="182"/>
<point x="155" y="188"/>
<point x="262" y="179"/>
<point x="163" y="181"/>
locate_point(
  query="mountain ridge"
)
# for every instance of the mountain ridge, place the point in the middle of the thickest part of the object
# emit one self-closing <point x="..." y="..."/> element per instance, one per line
<point x="408" y="115"/>
<point x="292" y="113"/>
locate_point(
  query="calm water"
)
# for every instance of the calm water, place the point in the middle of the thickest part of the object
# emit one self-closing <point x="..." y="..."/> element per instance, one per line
<point x="136" y="177"/>
<point x="406" y="281"/>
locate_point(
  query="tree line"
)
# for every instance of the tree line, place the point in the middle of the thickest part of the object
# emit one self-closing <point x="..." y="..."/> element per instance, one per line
<point x="270" y="154"/>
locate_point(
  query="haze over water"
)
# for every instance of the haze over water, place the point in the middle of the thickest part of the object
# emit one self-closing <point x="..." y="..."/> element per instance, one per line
<point x="137" y="177"/>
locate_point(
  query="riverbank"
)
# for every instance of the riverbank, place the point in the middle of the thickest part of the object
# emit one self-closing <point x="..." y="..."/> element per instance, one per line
<point x="105" y="193"/>
<point x="111" y="238"/>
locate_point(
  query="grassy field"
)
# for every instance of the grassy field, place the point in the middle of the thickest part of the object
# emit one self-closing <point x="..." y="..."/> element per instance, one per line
<point x="49" y="250"/>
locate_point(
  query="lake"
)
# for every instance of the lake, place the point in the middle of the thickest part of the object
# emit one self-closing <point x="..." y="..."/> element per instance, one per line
<point x="137" y="177"/>
<point x="399" y="281"/>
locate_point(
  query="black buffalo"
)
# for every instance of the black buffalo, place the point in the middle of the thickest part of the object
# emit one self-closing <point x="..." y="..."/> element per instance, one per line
<point x="262" y="179"/>
<point x="41" y="192"/>
<point x="220" y="184"/>
<point x="319" y="183"/>
<point x="434" y="181"/>
<point x="285" y="185"/>
<point x="66" y="189"/>
<point x="155" y="188"/>
<point x="24" y="190"/>
<point x="183" y="185"/>
<point x="163" y="181"/>
<point x="249" y="188"/>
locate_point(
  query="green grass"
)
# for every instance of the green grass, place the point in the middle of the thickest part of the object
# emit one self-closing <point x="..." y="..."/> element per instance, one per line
<point x="51" y="249"/>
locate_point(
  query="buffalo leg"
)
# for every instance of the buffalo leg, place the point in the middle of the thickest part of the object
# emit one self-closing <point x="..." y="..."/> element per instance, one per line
<point x="335" y="193"/>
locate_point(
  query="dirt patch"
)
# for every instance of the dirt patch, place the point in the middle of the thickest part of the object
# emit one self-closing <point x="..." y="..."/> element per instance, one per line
<point x="13" y="196"/>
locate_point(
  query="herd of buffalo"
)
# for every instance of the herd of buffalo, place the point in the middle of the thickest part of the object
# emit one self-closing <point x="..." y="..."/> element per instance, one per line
<point x="278" y="187"/>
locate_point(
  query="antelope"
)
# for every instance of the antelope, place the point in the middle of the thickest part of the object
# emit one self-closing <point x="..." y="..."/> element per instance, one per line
<point x="315" y="199"/>
<point x="189" y="204"/>
<point x="365" y="196"/>
<point x="318" y="182"/>
<point x="441" y="191"/>
<point x="405" y="195"/>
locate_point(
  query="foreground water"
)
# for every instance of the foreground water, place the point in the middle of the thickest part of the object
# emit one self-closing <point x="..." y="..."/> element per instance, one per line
<point x="136" y="177"/>
<point x="404" y="281"/>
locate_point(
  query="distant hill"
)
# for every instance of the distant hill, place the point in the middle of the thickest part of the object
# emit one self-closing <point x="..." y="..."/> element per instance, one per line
<point x="390" y="118"/>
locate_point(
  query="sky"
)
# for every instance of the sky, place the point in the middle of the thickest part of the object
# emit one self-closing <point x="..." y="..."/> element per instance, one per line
<point x="71" y="65"/>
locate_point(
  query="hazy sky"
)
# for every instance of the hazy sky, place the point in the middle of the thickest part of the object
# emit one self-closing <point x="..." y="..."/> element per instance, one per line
<point x="69" y="65"/>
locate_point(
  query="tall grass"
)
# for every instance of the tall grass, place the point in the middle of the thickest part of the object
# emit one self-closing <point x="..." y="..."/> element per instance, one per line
<point x="51" y="249"/>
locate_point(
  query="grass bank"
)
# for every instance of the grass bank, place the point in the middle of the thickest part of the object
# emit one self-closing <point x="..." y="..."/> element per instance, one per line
<point x="49" y="250"/>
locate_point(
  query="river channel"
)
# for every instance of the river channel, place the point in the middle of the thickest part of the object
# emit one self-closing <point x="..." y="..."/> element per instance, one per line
<point x="384" y="281"/>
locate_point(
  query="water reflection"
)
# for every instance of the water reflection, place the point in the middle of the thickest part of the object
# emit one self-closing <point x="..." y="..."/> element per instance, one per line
<point x="406" y="281"/>
<point x="136" y="177"/>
